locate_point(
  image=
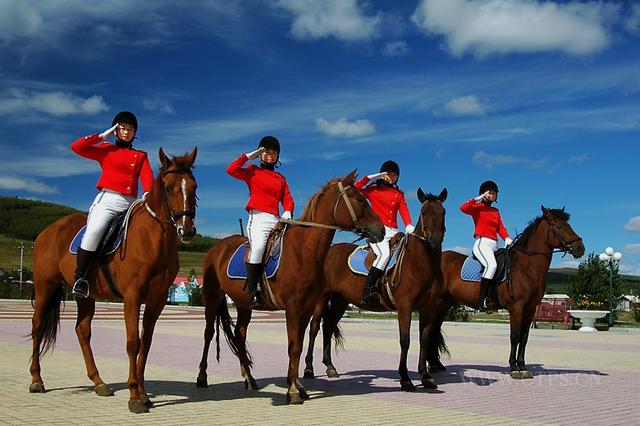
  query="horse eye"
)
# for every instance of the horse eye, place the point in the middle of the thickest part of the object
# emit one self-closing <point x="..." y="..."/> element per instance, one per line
<point x="168" y="190"/>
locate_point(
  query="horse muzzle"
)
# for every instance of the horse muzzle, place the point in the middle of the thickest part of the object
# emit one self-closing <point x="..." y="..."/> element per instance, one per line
<point x="576" y="249"/>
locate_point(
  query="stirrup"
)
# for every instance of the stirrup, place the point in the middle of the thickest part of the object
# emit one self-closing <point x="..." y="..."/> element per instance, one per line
<point x="256" y="302"/>
<point x="81" y="288"/>
<point x="486" y="304"/>
<point x="371" y="297"/>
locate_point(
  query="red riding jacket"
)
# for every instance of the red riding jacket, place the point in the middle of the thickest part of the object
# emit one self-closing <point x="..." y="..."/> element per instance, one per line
<point x="267" y="189"/>
<point x="121" y="167"/>
<point x="386" y="201"/>
<point x="486" y="219"/>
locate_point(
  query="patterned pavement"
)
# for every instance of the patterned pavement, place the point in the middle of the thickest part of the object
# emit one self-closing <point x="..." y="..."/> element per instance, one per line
<point x="579" y="378"/>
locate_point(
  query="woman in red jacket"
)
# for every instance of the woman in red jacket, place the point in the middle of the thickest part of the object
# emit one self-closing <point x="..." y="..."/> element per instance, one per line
<point x="488" y="224"/>
<point x="267" y="190"/>
<point x="386" y="200"/>
<point x="122" y="167"/>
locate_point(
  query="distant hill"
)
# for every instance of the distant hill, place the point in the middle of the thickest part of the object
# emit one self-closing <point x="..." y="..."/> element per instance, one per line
<point x="25" y="219"/>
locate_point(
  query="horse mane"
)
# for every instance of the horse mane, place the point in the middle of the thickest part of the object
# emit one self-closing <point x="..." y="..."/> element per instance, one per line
<point x="310" y="208"/>
<point x="523" y="238"/>
<point x="431" y="197"/>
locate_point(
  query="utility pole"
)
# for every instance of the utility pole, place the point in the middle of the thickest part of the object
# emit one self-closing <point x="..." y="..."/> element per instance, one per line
<point x="21" y="247"/>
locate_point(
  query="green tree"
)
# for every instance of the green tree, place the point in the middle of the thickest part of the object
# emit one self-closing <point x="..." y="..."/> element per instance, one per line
<point x="589" y="288"/>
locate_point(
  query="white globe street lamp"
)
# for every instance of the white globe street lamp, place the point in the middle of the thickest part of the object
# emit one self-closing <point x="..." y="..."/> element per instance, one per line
<point x="610" y="256"/>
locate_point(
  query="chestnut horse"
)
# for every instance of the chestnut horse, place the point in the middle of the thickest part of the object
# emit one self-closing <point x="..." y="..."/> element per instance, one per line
<point x="298" y="282"/>
<point x="529" y="260"/>
<point x="418" y="269"/>
<point x="142" y="270"/>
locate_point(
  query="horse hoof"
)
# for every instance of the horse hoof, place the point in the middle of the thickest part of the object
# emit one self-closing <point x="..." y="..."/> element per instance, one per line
<point x="436" y="368"/>
<point x="332" y="373"/>
<point x="429" y="383"/>
<point x="252" y="384"/>
<point x="516" y="374"/>
<point x="303" y="394"/>
<point x="201" y="381"/>
<point x="36" y="388"/>
<point x="308" y="373"/>
<point x="407" y="386"/>
<point x="147" y="402"/>
<point x="527" y="374"/>
<point x="103" y="390"/>
<point x="137" y="406"/>
<point x="294" y="398"/>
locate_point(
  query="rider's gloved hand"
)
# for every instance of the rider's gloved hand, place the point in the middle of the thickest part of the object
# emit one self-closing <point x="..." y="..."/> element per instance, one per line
<point x="286" y="215"/>
<point x="255" y="154"/>
<point x="507" y="242"/>
<point x="409" y="229"/>
<point x="376" y="175"/>
<point x="107" y="133"/>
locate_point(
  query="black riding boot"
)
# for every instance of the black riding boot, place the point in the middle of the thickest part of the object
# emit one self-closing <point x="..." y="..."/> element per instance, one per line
<point x="485" y="303"/>
<point x="370" y="293"/>
<point x="84" y="259"/>
<point x="254" y="272"/>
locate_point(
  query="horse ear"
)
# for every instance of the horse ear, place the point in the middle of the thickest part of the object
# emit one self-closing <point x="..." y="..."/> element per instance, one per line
<point x="421" y="197"/>
<point x="443" y="195"/>
<point x="164" y="160"/>
<point x="350" y="178"/>
<point x="563" y="208"/>
<point x="545" y="211"/>
<point x="191" y="157"/>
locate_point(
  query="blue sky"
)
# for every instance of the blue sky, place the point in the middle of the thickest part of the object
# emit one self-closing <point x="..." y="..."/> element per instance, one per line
<point x="542" y="97"/>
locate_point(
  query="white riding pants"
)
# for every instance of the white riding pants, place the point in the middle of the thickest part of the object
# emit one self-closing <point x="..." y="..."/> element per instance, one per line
<point x="259" y="227"/>
<point x="382" y="250"/>
<point x="483" y="249"/>
<point x="105" y="207"/>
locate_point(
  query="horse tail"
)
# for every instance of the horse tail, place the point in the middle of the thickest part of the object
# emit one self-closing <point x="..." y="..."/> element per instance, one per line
<point x="47" y="332"/>
<point x="238" y="349"/>
<point x="331" y="326"/>
<point x="440" y="344"/>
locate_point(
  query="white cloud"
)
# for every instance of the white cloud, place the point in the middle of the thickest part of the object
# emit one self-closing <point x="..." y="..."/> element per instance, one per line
<point x="579" y="159"/>
<point x="342" y="19"/>
<point x="53" y="103"/>
<point x="157" y="104"/>
<point x="516" y="26"/>
<point x="489" y="161"/>
<point x="29" y="185"/>
<point x="460" y="249"/>
<point x="632" y="248"/>
<point x="465" y="105"/>
<point x="632" y="24"/>
<point x="344" y="128"/>
<point x="395" y="48"/>
<point x="633" y="224"/>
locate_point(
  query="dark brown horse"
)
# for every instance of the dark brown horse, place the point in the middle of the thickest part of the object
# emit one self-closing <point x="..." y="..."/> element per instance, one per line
<point x="298" y="282"/>
<point x="142" y="270"/>
<point x="529" y="259"/>
<point x="410" y="280"/>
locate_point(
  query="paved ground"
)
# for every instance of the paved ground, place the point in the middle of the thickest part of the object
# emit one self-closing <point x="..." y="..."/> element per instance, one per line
<point x="579" y="378"/>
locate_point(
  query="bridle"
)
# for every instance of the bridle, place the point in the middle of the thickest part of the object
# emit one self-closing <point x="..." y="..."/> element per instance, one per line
<point x="565" y="246"/>
<point x="173" y="217"/>
<point x="425" y="237"/>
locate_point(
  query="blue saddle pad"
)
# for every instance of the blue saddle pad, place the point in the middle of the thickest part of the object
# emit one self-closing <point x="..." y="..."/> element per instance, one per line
<point x="357" y="257"/>
<point x="472" y="270"/>
<point x="236" y="268"/>
<point x="113" y="237"/>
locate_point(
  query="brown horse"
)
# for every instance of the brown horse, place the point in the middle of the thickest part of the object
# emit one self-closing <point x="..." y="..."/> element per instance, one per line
<point x="529" y="259"/>
<point x="298" y="282"/>
<point x="415" y="276"/>
<point x="142" y="270"/>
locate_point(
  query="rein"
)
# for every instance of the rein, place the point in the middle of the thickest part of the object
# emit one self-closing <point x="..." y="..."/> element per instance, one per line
<point x="173" y="217"/>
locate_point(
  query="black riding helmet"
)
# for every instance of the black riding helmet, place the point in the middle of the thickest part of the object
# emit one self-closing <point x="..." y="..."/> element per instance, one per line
<point x="390" y="166"/>
<point x="270" y="142"/>
<point x="126" y="117"/>
<point x="488" y="185"/>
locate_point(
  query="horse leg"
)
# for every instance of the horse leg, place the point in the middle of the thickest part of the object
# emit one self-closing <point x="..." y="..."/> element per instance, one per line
<point x="515" y="319"/>
<point x="242" y="324"/>
<point x="427" y="379"/>
<point x="404" y="324"/>
<point x="86" y="311"/>
<point x="151" y="313"/>
<point x="44" y="326"/>
<point x="296" y="325"/>
<point x="211" y="302"/>
<point x="435" y="345"/>
<point x="313" y="333"/>
<point x="131" y="319"/>
<point x="524" y="337"/>
<point x="330" y="329"/>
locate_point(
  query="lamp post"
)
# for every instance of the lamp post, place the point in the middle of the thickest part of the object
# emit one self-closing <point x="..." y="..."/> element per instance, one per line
<point x="610" y="256"/>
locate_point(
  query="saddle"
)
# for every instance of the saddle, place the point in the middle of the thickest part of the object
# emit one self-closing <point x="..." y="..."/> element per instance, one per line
<point x="472" y="269"/>
<point x="236" y="268"/>
<point x="362" y="258"/>
<point x="111" y="239"/>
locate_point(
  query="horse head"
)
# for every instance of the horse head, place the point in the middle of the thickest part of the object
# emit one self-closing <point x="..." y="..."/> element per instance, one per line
<point x="177" y="187"/>
<point x="430" y="225"/>
<point x="341" y="205"/>
<point x="560" y="234"/>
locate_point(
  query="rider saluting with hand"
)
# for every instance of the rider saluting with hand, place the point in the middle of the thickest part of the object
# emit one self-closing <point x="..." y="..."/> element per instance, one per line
<point x="488" y="224"/>
<point x="267" y="189"/>
<point x="386" y="200"/>
<point x="122" y="166"/>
